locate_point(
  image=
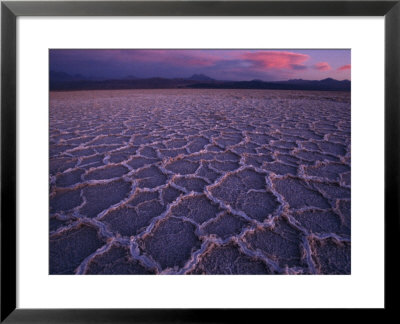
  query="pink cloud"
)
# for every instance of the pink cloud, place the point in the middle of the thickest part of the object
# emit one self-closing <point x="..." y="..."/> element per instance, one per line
<point x="345" y="67"/>
<point x="276" y="60"/>
<point x="322" y="66"/>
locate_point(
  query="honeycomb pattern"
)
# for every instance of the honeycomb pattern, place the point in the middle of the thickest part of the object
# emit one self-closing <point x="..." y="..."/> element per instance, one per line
<point x="199" y="182"/>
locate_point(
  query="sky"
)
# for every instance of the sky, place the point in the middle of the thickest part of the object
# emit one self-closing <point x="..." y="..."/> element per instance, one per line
<point x="266" y="65"/>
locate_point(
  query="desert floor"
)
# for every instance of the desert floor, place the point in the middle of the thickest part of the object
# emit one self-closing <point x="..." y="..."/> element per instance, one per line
<point x="199" y="182"/>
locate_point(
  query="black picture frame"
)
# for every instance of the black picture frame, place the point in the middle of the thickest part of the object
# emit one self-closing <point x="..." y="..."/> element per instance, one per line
<point x="10" y="10"/>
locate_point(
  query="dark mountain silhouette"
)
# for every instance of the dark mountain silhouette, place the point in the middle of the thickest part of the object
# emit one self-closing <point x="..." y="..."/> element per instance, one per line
<point x="200" y="77"/>
<point x="327" y="81"/>
<point x="326" y="85"/>
<point x="62" y="77"/>
<point x="114" y="84"/>
<point x="61" y="81"/>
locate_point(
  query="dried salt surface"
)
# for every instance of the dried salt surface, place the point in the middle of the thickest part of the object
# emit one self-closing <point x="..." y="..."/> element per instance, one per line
<point x="200" y="182"/>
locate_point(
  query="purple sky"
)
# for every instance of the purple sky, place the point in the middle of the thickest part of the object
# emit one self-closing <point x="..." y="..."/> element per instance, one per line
<point x="267" y="65"/>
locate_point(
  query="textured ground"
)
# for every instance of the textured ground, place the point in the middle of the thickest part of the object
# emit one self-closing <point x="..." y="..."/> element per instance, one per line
<point x="199" y="182"/>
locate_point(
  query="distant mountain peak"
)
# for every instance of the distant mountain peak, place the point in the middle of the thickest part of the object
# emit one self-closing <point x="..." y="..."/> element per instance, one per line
<point x="200" y="77"/>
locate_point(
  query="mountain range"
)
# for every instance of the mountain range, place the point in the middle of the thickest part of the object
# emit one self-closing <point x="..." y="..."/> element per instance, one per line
<point x="61" y="81"/>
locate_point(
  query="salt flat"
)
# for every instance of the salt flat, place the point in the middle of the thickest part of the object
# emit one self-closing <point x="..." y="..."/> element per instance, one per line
<point x="199" y="182"/>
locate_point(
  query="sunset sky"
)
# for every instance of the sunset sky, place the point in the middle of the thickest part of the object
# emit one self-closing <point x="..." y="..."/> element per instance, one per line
<point x="266" y="65"/>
